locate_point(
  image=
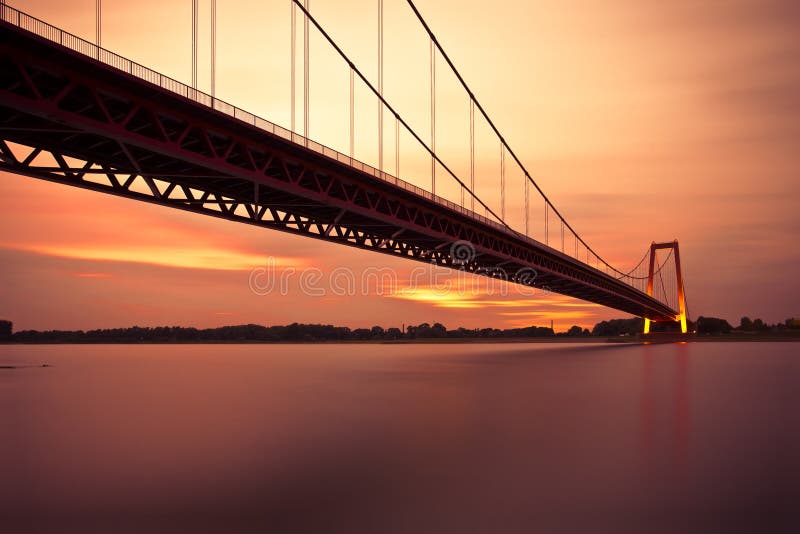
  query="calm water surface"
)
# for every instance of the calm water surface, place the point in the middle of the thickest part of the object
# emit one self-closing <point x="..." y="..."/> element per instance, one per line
<point x="698" y="437"/>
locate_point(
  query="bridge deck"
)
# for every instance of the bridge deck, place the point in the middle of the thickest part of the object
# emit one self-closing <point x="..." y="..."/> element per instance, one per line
<point x="113" y="126"/>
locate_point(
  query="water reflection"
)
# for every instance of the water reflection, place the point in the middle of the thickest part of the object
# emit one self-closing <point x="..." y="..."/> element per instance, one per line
<point x="676" y="391"/>
<point x="683" y="422"/>
<point x="460" y="438"/>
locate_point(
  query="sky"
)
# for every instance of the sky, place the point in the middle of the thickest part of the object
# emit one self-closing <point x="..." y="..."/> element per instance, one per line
<point x="641" y="121"/>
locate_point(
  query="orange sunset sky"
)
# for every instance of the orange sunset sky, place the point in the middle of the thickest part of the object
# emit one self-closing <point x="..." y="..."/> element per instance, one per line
<point x="642" y="121"/>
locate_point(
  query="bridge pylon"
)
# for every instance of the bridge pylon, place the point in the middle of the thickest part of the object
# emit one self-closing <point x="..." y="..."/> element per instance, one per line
<point x="681" y="317"/>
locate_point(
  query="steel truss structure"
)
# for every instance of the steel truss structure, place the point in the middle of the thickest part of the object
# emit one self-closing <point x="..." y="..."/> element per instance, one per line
<point x="67" y="118"/>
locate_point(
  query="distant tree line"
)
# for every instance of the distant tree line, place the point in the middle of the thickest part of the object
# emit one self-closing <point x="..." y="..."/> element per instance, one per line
<point x="703" y="325"/>
<point x="714" y="325"/>
<point x="438" y="330"/>
<point x="310" y="333"/>
<point x="166" y="334"/>
<point x="295" y="332"/>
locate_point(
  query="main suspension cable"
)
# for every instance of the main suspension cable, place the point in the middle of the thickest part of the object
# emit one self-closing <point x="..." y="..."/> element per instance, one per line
<point x="402" y="121"/>
<point x="500" y="136"/>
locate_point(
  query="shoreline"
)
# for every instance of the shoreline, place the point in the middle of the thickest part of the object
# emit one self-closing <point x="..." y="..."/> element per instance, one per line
<point x="664" y="338"/>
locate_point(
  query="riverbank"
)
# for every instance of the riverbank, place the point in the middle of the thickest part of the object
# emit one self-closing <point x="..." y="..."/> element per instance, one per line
<point x="651" y="338"/>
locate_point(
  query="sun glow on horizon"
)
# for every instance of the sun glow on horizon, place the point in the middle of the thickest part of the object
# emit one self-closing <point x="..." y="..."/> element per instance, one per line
<point x="563" y="311"/>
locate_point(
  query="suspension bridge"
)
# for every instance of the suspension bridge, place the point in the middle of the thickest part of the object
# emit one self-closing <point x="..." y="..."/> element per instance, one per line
<point x="74" y="113"/>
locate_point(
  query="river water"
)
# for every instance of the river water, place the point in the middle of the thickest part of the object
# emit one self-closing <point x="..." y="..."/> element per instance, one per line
<point x="699" y="437"/>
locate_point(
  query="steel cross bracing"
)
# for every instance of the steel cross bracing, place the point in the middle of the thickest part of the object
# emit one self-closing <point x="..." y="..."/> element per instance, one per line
<point x="67" y="118"/>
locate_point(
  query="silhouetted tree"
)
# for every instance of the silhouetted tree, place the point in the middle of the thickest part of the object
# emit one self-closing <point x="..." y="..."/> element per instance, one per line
<point x="362" y="333"/>
<point x="618" y="327"/>
<point x="575" y="331"/>
<point x="745" y="323"/>
<point x="6" y="328"/>
<point x="438" y="330"/>
<point x="462" y="332"/>
<point x="712" y="325"/>
<point x="377" y="332"/>
<point x="393" y="333"/>
<point x="426" y="331"/>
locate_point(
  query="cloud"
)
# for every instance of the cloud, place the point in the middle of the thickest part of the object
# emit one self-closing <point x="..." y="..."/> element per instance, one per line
<point x="489" y="298"/>
<point x="186" y="258"/>
<point x="93" y="275"/>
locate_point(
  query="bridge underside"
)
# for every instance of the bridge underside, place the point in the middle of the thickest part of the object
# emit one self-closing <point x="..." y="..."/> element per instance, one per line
<point x="85" y="124"/>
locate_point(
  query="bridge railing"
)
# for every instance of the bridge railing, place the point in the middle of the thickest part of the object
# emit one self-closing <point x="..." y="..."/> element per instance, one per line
<point x="77" y="44"/>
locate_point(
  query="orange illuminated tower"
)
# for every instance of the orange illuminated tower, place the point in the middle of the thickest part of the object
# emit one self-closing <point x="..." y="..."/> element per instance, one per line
<point x="681" y="317"/>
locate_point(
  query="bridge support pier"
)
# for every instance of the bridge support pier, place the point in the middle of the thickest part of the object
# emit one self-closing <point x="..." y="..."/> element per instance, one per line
<point x="681" y="317"/>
